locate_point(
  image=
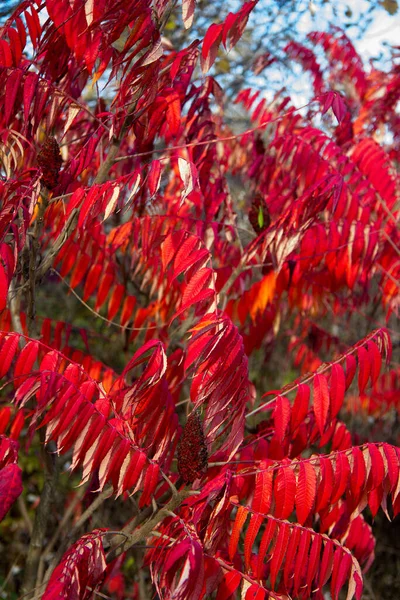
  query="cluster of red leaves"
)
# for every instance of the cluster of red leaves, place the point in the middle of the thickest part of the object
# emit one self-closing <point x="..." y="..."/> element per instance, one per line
<point x="154" y="244"/>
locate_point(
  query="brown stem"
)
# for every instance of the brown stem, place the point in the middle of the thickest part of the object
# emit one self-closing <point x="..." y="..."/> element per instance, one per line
<point x="234" y="275"/>
<point x="33" y="255"/>
<point x="14" y="303"/>
<point x="141" y="574"/>
<point x="141" y="534"/>
<point x="47" y="261"/>
<point x="40" y="523"/>
<point x="24" y="513"/>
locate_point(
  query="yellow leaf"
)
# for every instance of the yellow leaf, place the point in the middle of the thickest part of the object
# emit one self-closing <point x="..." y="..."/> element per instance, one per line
<point x="391" y="6"/>
<point x="264" y="293"/>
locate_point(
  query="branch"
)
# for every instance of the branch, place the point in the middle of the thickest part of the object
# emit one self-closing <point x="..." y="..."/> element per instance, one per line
<point x="216" y="140"/>
<point x="69" y="227"/>
<point x="234" y="275"/>
<point x="97" y="314"/>
<point x="141" y="534"/>
<point x="24" y="513"/>
<point x="14" y="303"/>
<point x="33" y="254"/>
<point x="40" y="524"/>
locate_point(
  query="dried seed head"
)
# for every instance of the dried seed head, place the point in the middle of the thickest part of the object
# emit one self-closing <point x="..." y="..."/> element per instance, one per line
<point x="192" y="449"/>
<point x="50" y="161"/>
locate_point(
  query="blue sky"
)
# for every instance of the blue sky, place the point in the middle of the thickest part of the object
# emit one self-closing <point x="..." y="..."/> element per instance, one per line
<point x="384" y="28"/>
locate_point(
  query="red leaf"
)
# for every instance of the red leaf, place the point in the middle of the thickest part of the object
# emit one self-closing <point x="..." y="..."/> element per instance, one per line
<point x="10" y="487"/>
<point x="196" y="290"/>
<point x="7" y="353"/>
<point x="5" y="414"/>
<point x="281" y="414"/>
<point x="300" y="406"/>
<point x="6" y="59"/>
<point x="129" y="477"/>
<point x="337" y="389"/>
<point x="341" y="566"/>
<point x="264" y="545"/>
<point x="91" y="205"/>
<point x="211" y="42"/>
<point x="92" y="280"/>
<point x="16" y="44"/>
<point x="235" y="23"/>
<point x="393" y="468"/>
<point x="306" y="491"/>
<point x="104" y="288"/>
<point x="255" y="592"/>
<point x="154" y="177"/>
<point x="335" y="101"/>
<point x="378" y="471"/>
<point x="375" y="497"/>
<point x="375" y="359"/>
<point x="115" y="301"/>
<point x="33" y="22"/>
<point x="3" y="287"/>
<point x="321" y="401"/>
<point x="339" y="107"/>
<point x="284" y="492"/>
<point x="81" y="569"/>
<point x="80" y="270"/>
<point x="363" y="368"/>
<point x="229" y="585"/>
<point x="127" y="309"/>
<point x="351" y="367"/>
<point x="240" y="519"/>
<point x="325" y="487"/>
<point x="326" y="563"/>
<point x="280" y="547"/>
<point x="251" y="534"/>
<point x="16" y="427"/>
<point x="261" y="504"/>
<point x="188" y="12"/>
<point x="263" y="490"/>
<point x="149" y="484"/>
<point x="300" y="568"/>
<point x="173" y="112"/>
<point x="290" y="557"/>
<point x="358" y="478"/>
<point x="314" y="560"/>
<point x="342" y="472"/>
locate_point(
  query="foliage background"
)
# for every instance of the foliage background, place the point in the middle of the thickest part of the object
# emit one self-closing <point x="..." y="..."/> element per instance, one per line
<point x="270" y="28"/>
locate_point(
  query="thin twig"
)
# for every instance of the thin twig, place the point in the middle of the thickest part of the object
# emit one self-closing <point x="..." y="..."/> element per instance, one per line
<point x="307" y="378"/>
<point x="227" y="138"/>
<point x="97" y="314"/>
<point x="61" y="526"/>
<point x="24" y="513"/>
<point x="75" y="528"/>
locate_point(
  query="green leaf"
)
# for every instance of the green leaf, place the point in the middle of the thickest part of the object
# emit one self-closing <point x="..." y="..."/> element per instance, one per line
<point x="260" y="217"/>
